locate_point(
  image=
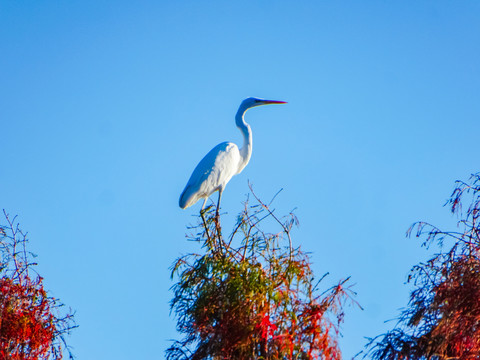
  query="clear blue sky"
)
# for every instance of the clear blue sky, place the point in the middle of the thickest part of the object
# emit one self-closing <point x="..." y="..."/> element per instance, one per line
<point x="107" y="106"/>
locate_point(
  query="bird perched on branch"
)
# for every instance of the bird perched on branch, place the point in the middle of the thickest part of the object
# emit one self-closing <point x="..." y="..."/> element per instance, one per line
<point x="222" y="162"/>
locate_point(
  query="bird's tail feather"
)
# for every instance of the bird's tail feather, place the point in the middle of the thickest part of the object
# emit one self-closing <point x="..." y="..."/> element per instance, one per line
<point x="186" y="198"/>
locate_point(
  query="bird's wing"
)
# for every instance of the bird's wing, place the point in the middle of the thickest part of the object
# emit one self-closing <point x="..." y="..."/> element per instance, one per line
<point x="211" y="173"/>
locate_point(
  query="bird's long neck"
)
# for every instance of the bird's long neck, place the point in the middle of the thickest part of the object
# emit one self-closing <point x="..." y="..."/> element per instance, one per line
<point x="246" y="150"/>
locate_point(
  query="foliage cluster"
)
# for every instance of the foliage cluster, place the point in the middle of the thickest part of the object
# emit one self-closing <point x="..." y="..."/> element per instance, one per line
<point x="30" y="325"/>
<point x="253" y="300"/>
<point x="442" y="320"/>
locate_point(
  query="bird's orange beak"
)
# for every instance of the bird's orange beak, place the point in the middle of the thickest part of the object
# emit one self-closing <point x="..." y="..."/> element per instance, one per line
<point x="266" y="102"/>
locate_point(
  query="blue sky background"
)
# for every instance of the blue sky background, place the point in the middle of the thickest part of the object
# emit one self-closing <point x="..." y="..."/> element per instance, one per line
<point x="107" y="106"/>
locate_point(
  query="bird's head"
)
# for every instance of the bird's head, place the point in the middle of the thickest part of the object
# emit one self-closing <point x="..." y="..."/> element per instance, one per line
<point x="252" y="102"/>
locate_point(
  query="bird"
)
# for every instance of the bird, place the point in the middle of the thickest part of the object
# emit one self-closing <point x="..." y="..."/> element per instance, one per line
<point x="224" y="161"/>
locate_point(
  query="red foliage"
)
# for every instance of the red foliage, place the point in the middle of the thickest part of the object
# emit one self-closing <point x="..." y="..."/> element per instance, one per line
<point x="457" y="297"/>
<point x="30" y="328"/>
<point x="443" y="317"/>
<point x="26" y="323"/>
<point x="265" y="327"/>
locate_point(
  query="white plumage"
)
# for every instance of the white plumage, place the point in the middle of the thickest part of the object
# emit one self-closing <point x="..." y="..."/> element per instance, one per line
<point x="225" y="160"/>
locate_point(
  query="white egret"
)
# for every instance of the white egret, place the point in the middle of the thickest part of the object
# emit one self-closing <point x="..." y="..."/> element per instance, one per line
<point x="222" y="162"/>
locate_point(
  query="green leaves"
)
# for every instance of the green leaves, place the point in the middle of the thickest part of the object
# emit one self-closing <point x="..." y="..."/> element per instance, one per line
<point x="250" y="296"/>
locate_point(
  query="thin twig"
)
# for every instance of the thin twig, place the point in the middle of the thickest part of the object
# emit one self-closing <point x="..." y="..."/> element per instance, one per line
<point x="286" y="230"/>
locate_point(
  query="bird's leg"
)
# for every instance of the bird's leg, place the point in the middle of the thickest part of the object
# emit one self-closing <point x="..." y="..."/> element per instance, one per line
<point x="205" y="226"/>
<point x="218" y="203"/>
<point x="217" y="219"/>
<point x="203" y="206"/>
